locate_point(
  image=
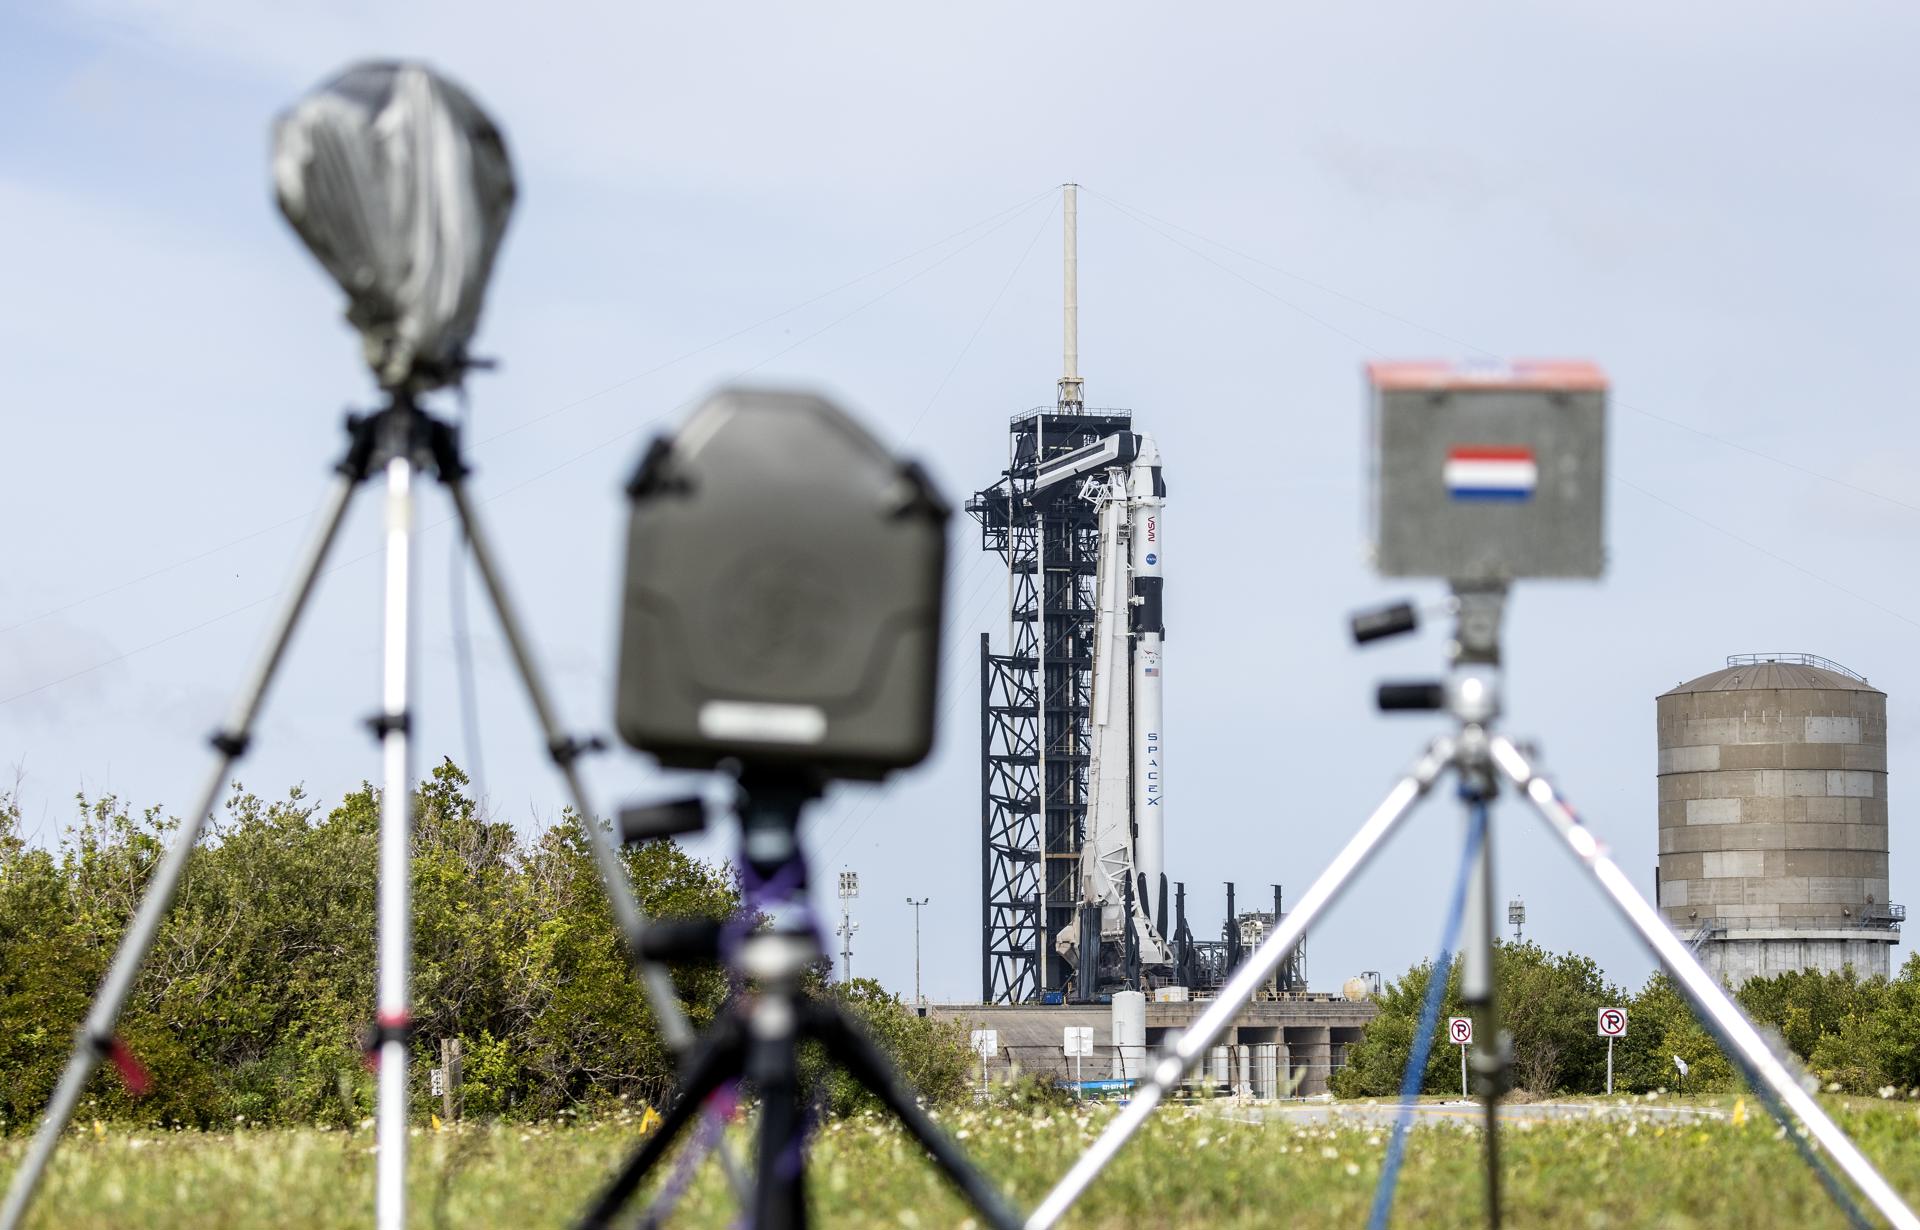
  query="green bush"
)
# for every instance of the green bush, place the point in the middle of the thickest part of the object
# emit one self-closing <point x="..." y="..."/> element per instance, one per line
<point x="1548" y="1004"/>
<point x="260" y="983"/>
<point x="932" y="1056"/>
<point x="1862" y="1034"/>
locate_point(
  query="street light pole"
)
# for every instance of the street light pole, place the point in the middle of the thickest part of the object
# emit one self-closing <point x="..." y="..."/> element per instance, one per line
<point x="849" y="889"/>
<point x="918" y="1001"/>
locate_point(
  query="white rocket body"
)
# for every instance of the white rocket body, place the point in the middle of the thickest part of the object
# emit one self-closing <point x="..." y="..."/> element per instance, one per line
<point x="1106" y="851"/>
<point x="1146" y="507"/>
<point x="1124" y="842"/>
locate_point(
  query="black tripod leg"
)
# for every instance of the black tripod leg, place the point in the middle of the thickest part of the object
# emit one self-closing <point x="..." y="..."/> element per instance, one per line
<point x="713" y="1062"/>
<point x="779" y="1199"/>
<point x="850" y="1047"/>
<point x="96" y="1036"/>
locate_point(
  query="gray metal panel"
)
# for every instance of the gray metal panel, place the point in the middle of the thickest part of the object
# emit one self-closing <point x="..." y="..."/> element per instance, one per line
<point x="1422" y="529"/>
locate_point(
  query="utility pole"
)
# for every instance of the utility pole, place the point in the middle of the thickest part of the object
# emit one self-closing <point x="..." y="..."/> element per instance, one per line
<point x="918" y="1001"/>
<point x="849" y="889"/>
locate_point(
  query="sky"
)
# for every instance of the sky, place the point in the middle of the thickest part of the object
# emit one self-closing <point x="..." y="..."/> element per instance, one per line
<point x="1712" y="201"/>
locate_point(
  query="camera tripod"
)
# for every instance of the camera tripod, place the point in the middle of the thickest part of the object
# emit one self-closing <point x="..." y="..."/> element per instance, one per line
<point x="1481" y="760"/>
<point x="400" y="440"/>
<point x="759" y="1033"/>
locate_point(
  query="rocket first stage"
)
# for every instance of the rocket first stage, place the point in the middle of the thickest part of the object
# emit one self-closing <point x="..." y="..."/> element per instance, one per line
<point x="1123" y="856"/>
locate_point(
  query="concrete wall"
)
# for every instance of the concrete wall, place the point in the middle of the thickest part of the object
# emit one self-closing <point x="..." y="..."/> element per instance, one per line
<point x="1308" y="1038"/>
<point x="1762" y="954"/>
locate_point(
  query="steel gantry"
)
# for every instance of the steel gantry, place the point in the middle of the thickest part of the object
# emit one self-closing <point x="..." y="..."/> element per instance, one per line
<point x="1030" y="850"/>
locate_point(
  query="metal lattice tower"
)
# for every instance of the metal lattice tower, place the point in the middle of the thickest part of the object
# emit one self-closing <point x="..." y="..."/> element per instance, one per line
<point x="1030" y="857"/>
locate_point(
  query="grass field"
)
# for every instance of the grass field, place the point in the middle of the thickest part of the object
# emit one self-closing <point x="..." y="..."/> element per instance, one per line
<point x="1192" y="1167"/>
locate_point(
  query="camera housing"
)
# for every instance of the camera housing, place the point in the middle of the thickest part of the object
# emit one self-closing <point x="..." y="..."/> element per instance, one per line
<point x="783" y="594"/>
<point x="1489" y="472"/>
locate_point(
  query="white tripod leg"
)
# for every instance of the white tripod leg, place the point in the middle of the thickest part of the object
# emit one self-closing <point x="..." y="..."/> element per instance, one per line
<point x="1709" y="1000"/>
<point x="96" y="1035"/>
<point x="1167" y="1068"/>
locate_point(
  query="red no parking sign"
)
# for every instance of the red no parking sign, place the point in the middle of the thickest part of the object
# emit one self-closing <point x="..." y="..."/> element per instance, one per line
<point x="1460" y="1030"/>
<point x="1613" y="1022"/>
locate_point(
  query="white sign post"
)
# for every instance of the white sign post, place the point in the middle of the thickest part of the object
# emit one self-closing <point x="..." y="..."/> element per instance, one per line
<point x="1077" y="1041"/>
<point x="1612" y="1024"/>
<point x="986" y="1044"/>
<point x="1460" y="1033"/>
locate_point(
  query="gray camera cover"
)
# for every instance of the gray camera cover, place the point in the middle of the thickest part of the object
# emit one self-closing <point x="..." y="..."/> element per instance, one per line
<point x="783" y="594"/>
<point x="401" y="186"/>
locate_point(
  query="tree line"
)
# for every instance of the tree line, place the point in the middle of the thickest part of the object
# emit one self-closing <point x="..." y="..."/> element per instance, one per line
<point x="1862" y="1034"/>
<point x="254" y="1000"/>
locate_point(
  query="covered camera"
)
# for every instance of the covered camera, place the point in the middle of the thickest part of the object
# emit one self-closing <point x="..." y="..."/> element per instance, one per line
<point x="400" y="185"/>
<point x="1489" y="472"/>
<point x="783" y="593"/>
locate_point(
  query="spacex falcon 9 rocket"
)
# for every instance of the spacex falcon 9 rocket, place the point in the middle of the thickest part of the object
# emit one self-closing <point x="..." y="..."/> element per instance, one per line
<point x="1123" y="857"/>
<point x="1073" y="780"/>
<point x="1119" y="928"/>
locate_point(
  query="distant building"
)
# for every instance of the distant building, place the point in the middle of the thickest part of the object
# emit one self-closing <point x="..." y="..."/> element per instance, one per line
<point x="1773" y="818"/>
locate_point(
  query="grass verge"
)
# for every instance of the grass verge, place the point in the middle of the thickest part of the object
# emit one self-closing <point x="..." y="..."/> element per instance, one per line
<point x="1191" y="1167"/>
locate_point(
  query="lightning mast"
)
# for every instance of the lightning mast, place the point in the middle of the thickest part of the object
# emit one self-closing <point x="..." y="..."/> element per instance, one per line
<point x="1070" y="384"/>
<point x="1074" y="893"/>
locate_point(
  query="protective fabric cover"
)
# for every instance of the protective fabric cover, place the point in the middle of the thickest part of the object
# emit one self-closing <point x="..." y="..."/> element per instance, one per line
<point x="401" y="185"/>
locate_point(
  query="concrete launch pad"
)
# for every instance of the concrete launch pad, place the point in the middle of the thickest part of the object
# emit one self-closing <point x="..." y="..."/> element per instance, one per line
<point x="1309" y="1034"/>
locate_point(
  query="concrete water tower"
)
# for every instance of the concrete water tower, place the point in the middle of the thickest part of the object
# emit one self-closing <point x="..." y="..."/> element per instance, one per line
<point x="1773" y="818"/>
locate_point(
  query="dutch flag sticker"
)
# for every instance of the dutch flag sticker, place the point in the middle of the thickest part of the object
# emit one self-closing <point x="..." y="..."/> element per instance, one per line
<point x="1490" y="472"/>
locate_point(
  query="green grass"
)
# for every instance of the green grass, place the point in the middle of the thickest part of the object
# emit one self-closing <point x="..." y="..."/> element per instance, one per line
<point x="1190" y="1168"/>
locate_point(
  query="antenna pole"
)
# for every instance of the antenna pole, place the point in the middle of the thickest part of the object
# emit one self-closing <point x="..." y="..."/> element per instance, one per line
<point x="1070" y="298"/>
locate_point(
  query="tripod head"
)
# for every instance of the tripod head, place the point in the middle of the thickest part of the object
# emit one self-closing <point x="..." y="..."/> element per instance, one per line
<point x="769" y="801"/>
<point x="1470" y="691"/>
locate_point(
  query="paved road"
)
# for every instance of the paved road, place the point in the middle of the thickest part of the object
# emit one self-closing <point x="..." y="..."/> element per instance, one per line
<point x="1381" y="1114"/>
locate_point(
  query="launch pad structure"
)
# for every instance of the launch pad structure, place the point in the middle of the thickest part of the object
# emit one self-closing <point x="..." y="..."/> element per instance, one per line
<point x="1076" y="901"/>
<point x="1036" y="702"/>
